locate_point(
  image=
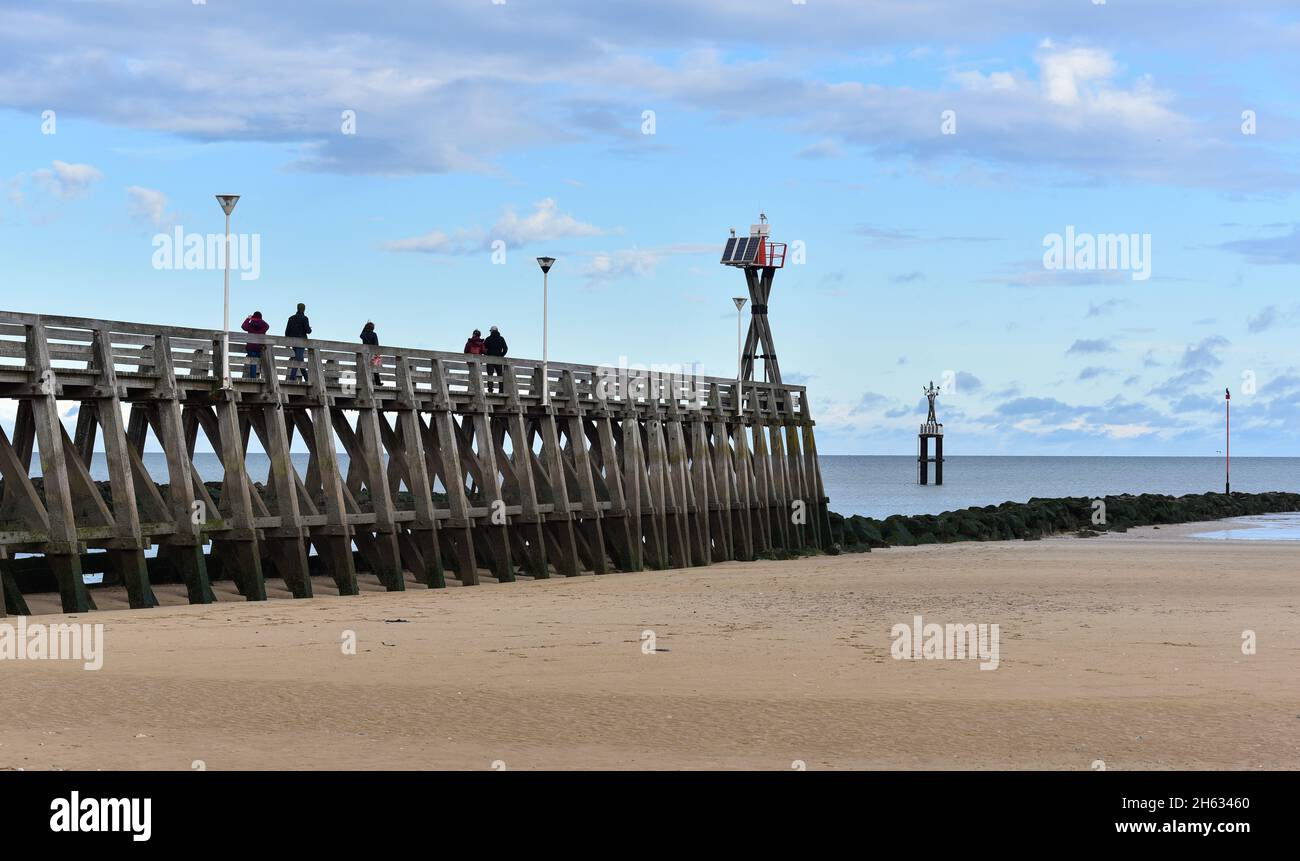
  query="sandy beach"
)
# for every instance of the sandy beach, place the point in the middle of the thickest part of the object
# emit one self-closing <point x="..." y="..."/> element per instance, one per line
<point x="1124" y="649"/>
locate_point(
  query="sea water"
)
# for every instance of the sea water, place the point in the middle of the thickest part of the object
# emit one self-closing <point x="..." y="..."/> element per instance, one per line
<point x="881" y="485"/>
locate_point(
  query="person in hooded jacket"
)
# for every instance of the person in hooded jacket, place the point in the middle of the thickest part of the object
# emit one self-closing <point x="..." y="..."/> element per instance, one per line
<point x="494" y="345"/>
<point x="254" y="325"/>
<point x="369" y="336"/>
<point x="474" y="346"/>
<point x="298" y="327"/>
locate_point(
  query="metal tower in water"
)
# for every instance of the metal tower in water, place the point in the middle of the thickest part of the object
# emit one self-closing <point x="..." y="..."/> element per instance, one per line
<point x="932" y="428"/>
<point x="760" y="257"/>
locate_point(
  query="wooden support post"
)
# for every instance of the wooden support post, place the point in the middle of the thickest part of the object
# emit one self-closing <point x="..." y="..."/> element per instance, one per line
<point x="620" y="529"/>
<point x="477" y="444"/>
<point x="645" y="537"/>
<point x="67" y="573"/>
<point x="679" y="481"/>
<point x="698" y="491"/>
<point x="370" y="452"/>
<point x="192" y="565"/>
<point x="781" y="484"/>
<point x="442" y="457"/>
<point x="187" y="512"/>
<point x="21" y="501"/>
<point x="813" y="470"/>
<point x="938" y="460"/>
<point x="284" y="543"/>
<point x="13" y="603"/>
<point x="445" y="446"/>
<point x="84" y="437"/>
<point x="744" y="469"/>
<point x="410" y="454"/>
<point x="823" y="502"/>
<point x="128" y="547"/>
<point x="561" y="536"/>
<point x="529" y="526"/>
<point x="25" y="432"/>
<point x="727" y="524"/>
<point x="134" y="573"/>
<point x="801" y="501"/>
<point x="333" y="541"/>
<point x="239" y="546"/>
<point x="137" y="429"/>
<point x="589" y="524"/>
<point x="667" y="497"/>
<point x="63" y="549"/>
<point x="773" y="529"/>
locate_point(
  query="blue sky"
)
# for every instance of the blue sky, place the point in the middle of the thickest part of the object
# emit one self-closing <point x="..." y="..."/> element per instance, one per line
<point x="525" y="123"/>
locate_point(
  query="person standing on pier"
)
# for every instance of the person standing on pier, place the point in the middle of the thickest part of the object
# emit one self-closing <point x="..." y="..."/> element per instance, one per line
<point x="474" y="347"/>
<point x="369" y="336"/>
<point x="495" y="345"/>
<point x="254" y="325"/>
<point x="298" y="327"/>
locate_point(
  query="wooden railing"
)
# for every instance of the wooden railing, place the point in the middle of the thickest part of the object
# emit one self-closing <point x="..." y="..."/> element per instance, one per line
<point x="194" y="356"/>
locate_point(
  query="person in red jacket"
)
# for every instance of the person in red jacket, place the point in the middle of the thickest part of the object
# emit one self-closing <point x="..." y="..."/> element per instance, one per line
<point x="254" y="325"/>
<point x="474" y="346"/>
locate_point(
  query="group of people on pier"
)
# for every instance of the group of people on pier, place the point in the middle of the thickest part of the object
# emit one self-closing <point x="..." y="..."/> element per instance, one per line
<point x="299" y="326"/>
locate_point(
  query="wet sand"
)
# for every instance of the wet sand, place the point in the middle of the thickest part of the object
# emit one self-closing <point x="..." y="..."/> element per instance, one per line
<point x="1125" y="649"/>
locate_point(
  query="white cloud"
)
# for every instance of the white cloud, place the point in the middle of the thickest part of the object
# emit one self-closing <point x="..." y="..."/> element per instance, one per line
<point x="546" y="223"/>
<point x="1064" y="71"/>
<point x="605" y="266"/>
<point x="1075" y="110"/>
<point x="66" y="180"/>
<point x="41" y="192"/>
<point x="148" y="206"/>
<point x="821" y="150"/>
<point x="976" y="80"/>
<point x="61" y="180"/>
<point x="456" y="91"/>
<point x="433" y="242"/>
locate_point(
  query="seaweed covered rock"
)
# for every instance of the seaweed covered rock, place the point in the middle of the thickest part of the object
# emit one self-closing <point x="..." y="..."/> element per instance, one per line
<point x="1082" y="516"/>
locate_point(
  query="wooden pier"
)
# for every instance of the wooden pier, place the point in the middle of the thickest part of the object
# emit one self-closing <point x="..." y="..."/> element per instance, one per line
<point x="452" y="473"/>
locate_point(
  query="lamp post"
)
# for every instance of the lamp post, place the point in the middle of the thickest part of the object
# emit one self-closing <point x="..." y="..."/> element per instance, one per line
<point x="227" y="202"/>
<point x="1227" y="441"/>
<point x="740" y="355"/>
<point x="546" y="263"/>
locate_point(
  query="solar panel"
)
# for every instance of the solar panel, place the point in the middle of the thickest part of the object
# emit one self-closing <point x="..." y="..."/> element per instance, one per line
<point x="729" y="250"/>
<point x="742" y="250"/>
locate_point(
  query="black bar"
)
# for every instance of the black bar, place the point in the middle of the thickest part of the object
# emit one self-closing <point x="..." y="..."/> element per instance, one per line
<point x="331" y="809"/>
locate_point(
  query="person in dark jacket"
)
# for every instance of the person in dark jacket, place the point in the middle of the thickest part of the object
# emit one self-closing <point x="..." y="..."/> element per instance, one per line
<point x="298" y="327"/>
<point x="254" y="325"/>
<point x="494" y="345"/>
<point x="368" y="336"/>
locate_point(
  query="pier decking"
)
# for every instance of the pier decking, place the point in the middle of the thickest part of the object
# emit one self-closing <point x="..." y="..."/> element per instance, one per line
<point x="452" y="471"/>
